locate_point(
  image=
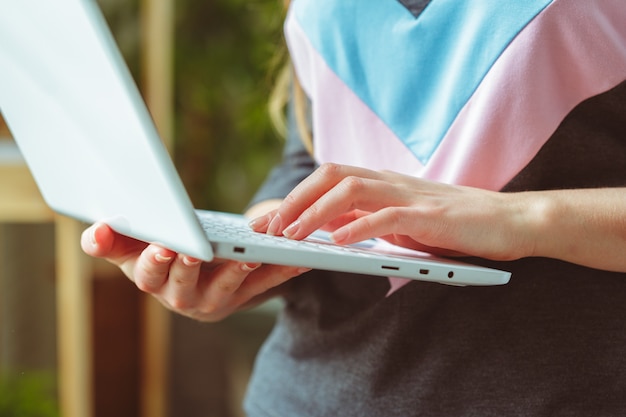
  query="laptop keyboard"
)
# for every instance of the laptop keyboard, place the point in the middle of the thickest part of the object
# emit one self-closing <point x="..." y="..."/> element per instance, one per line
<point x="236" y="229"/>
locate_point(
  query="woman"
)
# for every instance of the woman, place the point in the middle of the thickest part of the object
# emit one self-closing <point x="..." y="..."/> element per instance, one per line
<point x="493" y="131"/>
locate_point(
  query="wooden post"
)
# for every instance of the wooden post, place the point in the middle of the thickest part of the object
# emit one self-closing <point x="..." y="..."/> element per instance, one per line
<point x="73" y="321"/>
<point x="157" y="65"/>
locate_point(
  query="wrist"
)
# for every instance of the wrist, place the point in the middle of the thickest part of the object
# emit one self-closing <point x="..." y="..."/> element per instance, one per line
<point x="539" y="215"/>
<point x="556" y="224"/>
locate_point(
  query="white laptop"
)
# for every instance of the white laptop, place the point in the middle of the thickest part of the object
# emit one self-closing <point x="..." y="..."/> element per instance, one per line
<point x="84" y="131"/>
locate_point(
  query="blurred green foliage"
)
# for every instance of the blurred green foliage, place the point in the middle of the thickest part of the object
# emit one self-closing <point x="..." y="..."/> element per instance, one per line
<point x="225" y="62"/>
<point x="226" y="58"/>
<point x="28" y="395"/>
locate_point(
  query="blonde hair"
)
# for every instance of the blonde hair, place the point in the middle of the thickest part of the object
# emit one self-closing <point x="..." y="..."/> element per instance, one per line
<point x="286" y="79"/>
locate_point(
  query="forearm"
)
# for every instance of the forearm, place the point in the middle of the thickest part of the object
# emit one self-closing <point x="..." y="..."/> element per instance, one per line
<point x="586" y="227"/>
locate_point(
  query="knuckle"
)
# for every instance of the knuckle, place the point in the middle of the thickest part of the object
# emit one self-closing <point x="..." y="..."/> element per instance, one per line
<point x="212" y="312"/>
<point x="396" y="219"/>
<point x="183" y="281"/>
<point x="396" y="215"/>
<point x="146" y="284"/>
<point x="179" y="304"/>
<point x="208" y="309"/>
<point x="365" y="223"/>
<point x="330" y="170"/>
<point x="227" y="286"/>
<point x="289" y="200"/>
<point x="312" y="212"/>
<point x="353" y="184"/>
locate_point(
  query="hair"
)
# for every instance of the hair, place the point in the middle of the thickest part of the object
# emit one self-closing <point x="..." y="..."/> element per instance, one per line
<point x="286" y="87"/>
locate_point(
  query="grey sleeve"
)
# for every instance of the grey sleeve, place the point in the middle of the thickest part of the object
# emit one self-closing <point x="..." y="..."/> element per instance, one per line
<point x="296" y="164"/>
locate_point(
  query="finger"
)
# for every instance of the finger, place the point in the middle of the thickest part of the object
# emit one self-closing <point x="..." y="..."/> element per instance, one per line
<point x="100" y="241"/>
<point x="266" y="278"/>
<point x="351" y="193"/>
<point x="387" y="221"/>
<point x="97" y="240"/>
<point x="231" y="277"/>
<point x="217" y="292"/>
<point x="393" y="225"/>
<point x="344" y="219"/>
<point x="151" y="269"/>
<point x="310" y="190"/>
<point x="261" y="223"/>
<point x="180" y="290"/>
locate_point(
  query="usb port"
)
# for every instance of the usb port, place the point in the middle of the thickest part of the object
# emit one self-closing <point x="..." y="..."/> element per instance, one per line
<point x="239" y="249"/>
<point x="392" y="268"/>
<point x="424" y="271"/>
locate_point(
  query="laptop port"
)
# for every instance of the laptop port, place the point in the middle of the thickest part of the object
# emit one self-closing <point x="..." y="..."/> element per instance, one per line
<point x="392" y="268"/>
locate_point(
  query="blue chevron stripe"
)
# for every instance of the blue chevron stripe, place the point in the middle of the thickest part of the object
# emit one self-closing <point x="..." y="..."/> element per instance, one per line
<point x="416" y="74"/>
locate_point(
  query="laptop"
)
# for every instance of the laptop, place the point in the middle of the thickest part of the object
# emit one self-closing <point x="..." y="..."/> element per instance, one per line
<point x="88" y="139"/>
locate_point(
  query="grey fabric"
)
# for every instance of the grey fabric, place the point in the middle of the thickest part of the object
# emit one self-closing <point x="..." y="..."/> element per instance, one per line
<point x="550" y="343"/>
<point x="415" y="6"/>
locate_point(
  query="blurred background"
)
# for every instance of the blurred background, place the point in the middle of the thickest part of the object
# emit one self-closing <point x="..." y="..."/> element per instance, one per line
<point x="226" y="56"/>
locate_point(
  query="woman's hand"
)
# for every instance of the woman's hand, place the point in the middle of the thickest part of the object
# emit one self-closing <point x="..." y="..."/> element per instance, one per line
<point x="359" y="204"/>
<point x="203" y="291"/>
<point x="582" y="226"/>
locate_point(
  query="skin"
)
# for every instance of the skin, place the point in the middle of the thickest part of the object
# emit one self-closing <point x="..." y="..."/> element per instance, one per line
<point x="203" y="291"/>
<point x="587" y="227"/>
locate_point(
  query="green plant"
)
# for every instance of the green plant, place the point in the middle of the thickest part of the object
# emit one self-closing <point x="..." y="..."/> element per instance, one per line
<point x="224" y="69"/>
<point x="30" y="394"/>
<point x="225" y="57"/>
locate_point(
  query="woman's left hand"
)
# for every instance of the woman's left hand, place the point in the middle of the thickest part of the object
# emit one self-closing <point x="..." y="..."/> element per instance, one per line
<point x="358" y="204"/>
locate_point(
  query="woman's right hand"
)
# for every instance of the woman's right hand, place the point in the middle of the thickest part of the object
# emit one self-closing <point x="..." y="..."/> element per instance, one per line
<point x="203" y="291"/>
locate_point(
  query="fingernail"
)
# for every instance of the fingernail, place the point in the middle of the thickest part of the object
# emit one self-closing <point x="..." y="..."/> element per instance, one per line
<point x="292" y="229"/>
<point x="340" y="235"/>
<point x="303" y="270"/>
<point x="259" y="222"/>
<point x="162" y="259"/>
<point x="189" y="261"/>
<point x="275" y="225"/>
<point x="249" y="267"/>
<point x="92" y="236"/>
